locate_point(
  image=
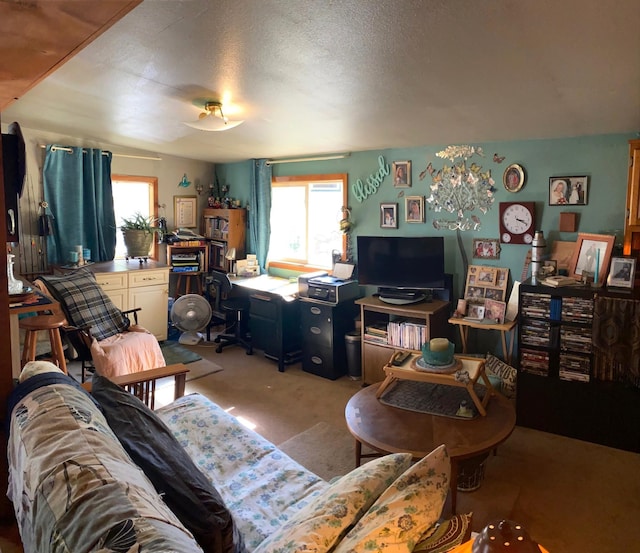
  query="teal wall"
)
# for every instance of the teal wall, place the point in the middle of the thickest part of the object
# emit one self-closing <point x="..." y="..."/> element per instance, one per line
<point x="603" y="158"/>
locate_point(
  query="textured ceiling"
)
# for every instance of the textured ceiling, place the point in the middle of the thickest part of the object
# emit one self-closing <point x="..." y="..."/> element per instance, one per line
<point x="312" y="77"/>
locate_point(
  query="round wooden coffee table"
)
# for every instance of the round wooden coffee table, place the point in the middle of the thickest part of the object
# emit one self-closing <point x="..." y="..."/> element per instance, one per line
<point x="389" y="429"/>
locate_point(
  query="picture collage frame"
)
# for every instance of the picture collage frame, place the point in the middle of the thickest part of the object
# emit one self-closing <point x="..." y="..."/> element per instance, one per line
<point x="487" y="287"/>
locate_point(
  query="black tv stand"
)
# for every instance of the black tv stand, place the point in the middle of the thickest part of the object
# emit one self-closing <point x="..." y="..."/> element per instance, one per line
<point x="403" y="296"/>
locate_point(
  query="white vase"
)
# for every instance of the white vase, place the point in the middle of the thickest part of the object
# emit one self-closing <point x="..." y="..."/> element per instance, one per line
<point x="15" y="286"/>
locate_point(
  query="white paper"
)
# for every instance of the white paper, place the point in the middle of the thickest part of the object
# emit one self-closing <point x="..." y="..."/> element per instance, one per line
<point x="512" y="306"/>
<point x="343" y="271"/>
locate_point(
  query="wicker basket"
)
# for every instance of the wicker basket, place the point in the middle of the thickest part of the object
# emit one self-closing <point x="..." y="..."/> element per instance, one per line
<point x="138" y="242"/>
<point x="471" y="473"/>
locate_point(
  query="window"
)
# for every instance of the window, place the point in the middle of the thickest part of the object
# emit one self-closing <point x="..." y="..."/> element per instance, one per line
<point x="305" y="216"/>
<point x="132" y="195"/>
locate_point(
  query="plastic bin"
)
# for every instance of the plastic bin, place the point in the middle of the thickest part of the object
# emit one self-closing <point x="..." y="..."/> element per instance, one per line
<point x="353" y="346"/>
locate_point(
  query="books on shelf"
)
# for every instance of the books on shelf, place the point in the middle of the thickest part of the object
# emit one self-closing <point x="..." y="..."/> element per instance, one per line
<point x="558" y="280"/>
<point x="401" y="333"/>
<point x="185" y="269"/>
<point x="376" y="332"/>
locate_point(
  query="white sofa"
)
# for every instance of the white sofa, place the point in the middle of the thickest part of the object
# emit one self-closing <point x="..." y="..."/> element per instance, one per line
<point x="74" y="486"/>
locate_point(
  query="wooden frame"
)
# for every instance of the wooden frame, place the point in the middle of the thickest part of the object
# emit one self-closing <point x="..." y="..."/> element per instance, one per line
<point x="402" y="174"/>
<point x="622" y="273"/>
<point x="592" y="255"/>
<point x="486" y="248"/>
<point x="568" y="190"/>
<point x="389" y="215"/>
<point x="495" y="310"/>
<point x="185" y="211"/>
<point x="485" y="283"/>
<point x="414" y="209"/>
<point x="513" y="177"/>
<point x="487" y="276"/>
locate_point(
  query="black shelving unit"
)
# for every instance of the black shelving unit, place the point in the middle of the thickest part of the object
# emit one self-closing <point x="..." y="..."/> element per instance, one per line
<point x="557" y="391"/>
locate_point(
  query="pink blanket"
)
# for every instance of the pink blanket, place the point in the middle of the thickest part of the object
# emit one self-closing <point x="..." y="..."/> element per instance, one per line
<point x="129" y="352"/>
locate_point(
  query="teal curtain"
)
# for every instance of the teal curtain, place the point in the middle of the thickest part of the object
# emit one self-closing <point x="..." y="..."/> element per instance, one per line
<point x="260" y="211"/>
<point x="77" y="187"/>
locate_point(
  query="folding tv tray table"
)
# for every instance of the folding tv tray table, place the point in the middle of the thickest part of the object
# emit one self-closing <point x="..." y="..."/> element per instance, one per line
<point x="465" y="374"/>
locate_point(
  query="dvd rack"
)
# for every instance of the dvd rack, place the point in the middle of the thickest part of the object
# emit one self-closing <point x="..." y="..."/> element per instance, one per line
<point x="555" y="335"/>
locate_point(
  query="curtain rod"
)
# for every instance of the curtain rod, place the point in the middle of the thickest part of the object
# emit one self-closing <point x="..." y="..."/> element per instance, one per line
<point x="152" y="158"/>
<point x="298" y="159"/>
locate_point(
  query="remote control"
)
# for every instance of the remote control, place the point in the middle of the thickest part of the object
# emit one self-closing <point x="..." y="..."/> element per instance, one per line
<point x="400" y="357"/>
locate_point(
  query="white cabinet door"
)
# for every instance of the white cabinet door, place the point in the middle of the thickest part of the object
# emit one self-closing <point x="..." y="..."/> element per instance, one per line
<point x="153" y="300"/>
<point x="115" y="286"/>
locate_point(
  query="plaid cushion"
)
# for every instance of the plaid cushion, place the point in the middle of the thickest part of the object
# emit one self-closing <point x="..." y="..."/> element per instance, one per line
<point x="85" y="303"/>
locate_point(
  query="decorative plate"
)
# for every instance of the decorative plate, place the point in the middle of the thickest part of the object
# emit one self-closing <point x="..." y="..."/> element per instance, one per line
<point x="514" y="177"/>
<point x="419" y="364"/>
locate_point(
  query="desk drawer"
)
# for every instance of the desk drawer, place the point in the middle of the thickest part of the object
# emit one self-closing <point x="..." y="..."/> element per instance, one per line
<point x="317" y="325"/>
<point x="148" y="278"/>
<point x="264" y="306"/>
<point x="323" y="362"/>
<point x="112" y="281"/>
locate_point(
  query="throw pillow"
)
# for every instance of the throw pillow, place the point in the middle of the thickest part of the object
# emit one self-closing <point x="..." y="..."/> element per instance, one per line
<point x="508" y="375"/>
<point x="322" y="523"/>
<point x="446" y="535"/>
<point x="405" y="510"/>
<point x="85" y="303"/>
<point x="33" y="368"/>
<point x="185" y="489"/>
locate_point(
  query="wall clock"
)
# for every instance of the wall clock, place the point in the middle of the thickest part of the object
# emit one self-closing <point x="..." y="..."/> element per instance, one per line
<point x="517" y="222"/>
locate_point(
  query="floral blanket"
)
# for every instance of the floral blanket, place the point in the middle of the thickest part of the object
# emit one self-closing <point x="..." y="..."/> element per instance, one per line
<point x="260" y="485"/>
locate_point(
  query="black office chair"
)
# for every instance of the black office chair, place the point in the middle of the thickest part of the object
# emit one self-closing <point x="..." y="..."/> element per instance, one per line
<point x="235" y="312"/>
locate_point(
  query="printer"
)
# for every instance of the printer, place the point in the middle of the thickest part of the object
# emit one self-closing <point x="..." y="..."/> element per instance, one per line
<point x="303" y="282"/>
<point x="332" y="289"/>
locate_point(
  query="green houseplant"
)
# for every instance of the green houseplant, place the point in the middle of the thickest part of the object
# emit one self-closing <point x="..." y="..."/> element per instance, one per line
<point x="138" y="233"/>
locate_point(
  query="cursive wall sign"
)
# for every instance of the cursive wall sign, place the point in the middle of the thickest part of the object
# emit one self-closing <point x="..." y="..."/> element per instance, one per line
<point x="362" y="191"/>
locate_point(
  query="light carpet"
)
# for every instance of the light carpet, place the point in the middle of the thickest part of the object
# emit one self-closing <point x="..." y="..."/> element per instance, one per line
<point x="324" y="449"/>
<point x="202" y="368"/>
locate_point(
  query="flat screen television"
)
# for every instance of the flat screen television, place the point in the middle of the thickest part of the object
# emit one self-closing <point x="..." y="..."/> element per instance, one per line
<point x="403" y="268"/>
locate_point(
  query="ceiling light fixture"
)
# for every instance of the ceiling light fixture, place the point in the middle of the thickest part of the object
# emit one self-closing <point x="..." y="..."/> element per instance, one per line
<point x="213" y="119"/>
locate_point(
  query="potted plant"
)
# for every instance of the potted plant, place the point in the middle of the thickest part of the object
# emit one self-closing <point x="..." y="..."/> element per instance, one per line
<point x="138" y="233"/>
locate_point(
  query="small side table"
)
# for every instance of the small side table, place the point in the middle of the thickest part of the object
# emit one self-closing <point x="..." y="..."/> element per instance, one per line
<point x="464" y="325"/>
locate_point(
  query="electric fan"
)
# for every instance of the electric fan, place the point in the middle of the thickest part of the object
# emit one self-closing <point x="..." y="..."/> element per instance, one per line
<point x="191" y="313"/>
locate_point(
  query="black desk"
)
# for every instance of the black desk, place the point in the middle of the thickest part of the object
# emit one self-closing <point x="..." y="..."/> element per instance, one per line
<point x="274" y="317"/>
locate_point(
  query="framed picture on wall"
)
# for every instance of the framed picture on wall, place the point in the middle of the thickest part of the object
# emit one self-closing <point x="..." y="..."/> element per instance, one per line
<point x="486" y="248"/>
<point x="402" y="174"/>
<point x="568" y="190"/>
<point x="389" y="215"/>
<point x="414" y="209"/>
<point x="185" y="211"/>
